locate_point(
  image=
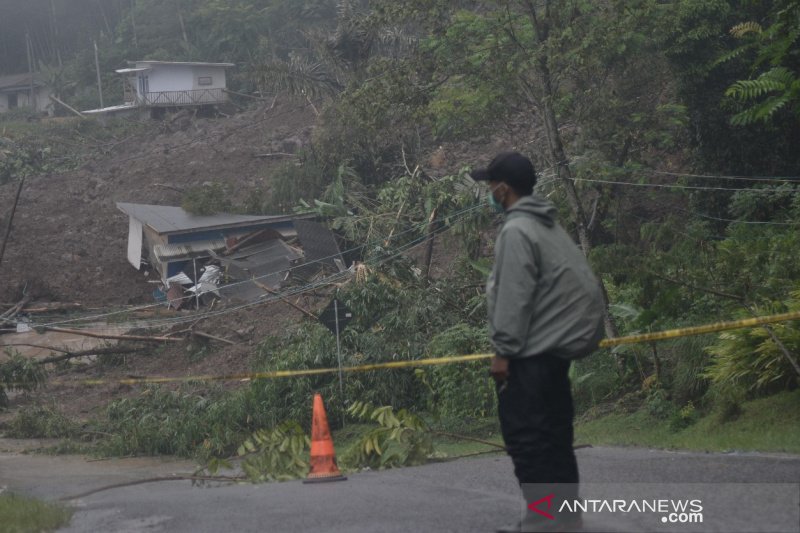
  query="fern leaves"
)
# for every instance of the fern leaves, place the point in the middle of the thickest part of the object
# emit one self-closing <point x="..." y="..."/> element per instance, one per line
<point x="776" y="80"/>
<point x="775" y="45"/>
<point x="740" y="30"/>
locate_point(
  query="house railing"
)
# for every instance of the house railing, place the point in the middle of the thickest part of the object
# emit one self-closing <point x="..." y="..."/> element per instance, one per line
<point x="176" y="98"/>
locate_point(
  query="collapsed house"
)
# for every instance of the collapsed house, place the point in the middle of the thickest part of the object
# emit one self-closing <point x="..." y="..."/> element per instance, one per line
<point x="237" y="258"/>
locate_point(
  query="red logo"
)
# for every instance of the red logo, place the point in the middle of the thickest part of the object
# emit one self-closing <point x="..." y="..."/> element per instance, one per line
<point x="549" y="500"/>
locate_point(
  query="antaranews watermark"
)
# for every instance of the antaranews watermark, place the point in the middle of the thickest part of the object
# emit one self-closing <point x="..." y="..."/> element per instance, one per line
<point x="731" y="507"/>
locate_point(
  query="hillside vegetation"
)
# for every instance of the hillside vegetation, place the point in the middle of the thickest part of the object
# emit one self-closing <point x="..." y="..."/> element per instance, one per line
<point x="666" y="135"/>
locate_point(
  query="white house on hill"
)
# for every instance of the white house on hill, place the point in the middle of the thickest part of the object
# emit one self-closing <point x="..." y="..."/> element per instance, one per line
<point x="174" y="84"/>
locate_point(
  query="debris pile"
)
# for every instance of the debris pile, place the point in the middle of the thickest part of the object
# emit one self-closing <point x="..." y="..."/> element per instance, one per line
<point x="237" y="259"/>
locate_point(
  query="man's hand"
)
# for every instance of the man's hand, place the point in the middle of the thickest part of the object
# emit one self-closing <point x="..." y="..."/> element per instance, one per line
<point x="499" y="369"/>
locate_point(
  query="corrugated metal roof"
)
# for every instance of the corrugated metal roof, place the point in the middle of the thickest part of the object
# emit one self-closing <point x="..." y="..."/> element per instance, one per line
<point x="171" y="219"/>
<point x="129" y="70"/>
<point x="172" y="252"/>
<point x="184" y="63"/>
<point x="319" y="246"/>
<point x="15" y="81"/>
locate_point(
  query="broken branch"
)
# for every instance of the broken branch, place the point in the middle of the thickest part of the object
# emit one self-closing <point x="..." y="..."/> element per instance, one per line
<point x="114" y="337"/>
<point x="304" y="311"/>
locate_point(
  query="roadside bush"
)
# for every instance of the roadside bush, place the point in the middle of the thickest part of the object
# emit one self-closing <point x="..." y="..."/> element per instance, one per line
<point x="181" y="422"/>
<point x="688" y="358"/>
<point x="41" y="422"/>
<point x="594" y="380"/>
<point x="750" y="360"/>
<point x="459" y="391"/>
<point x="683" y="417"/>
<point x="658" y="405"/>
<point x="19" y="373"/>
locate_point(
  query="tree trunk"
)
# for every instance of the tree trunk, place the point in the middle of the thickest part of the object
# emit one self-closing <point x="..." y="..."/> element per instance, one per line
<point x="426" y="261"/>
<point x="565" y="177"/>
<point x="180" y="19"/>
<point x="541" y="25"/>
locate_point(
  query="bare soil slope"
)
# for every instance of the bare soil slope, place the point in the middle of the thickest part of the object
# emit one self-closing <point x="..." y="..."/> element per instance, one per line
<point x="69" y="240"/>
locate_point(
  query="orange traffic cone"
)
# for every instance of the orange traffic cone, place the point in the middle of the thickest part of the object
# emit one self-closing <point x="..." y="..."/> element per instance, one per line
<point x="323" y="456"/>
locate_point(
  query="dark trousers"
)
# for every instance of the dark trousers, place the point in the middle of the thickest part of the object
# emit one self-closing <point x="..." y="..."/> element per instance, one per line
<point x="536" y="414"/>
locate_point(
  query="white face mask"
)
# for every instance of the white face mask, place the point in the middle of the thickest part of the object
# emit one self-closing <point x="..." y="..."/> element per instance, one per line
<point x="497" y="206"/>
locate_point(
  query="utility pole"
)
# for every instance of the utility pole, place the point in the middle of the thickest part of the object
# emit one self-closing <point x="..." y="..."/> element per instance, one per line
<point x="54" y="29"/>
<point x="133" y="24"/>
<point x="31" y="97"/>
<point x="11" y="218"/>
<point x="180" y="19"/>
<point x="97" y="67"/>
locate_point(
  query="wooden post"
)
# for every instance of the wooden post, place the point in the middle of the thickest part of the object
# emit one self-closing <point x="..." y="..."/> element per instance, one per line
<point x="55" y="99"/>
<point x="97" y="67"/>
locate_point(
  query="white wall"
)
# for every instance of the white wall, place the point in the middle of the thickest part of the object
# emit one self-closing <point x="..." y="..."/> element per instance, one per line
<point x="43" y="102"/>
<point x="170" y="78"/>
<point x="217" y="75"/>
<point x="182" y="77"/>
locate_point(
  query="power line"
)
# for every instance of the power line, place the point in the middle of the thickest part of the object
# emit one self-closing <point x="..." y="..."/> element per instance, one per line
<point x="783" y="179"/>
<point x="675" y="186"/>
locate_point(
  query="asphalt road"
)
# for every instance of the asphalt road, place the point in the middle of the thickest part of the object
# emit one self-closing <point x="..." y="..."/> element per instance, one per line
<point x="739" y="493"/>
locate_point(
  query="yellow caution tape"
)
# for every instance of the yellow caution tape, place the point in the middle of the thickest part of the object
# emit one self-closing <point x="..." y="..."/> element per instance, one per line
<point x="414" y="363"/>
<point x="700" y="330"/>
<point x="295" y="373"/>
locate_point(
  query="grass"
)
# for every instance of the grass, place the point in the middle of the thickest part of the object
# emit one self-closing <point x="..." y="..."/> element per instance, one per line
<point x="767" y="425"/>
<point x="26" y="515"/>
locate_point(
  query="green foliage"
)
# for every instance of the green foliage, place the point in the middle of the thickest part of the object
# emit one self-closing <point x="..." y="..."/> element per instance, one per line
<point x="19" y="161"/>
<point x="459" y="391"/>
<point x="293" y="181"/>
<point x="594" y="380"/>
<point x="208" y="199"/>
<point x="277" y="454"/>
<point x="683" y="417"/>
<point x="19" y="373"/>
<point x="752" y="361"/>
<point x="164" y="422"/>
<point x="460" y="112"/>
<point x="41" y="422"/>
<point x="401" y="438"/>
<point x="658" y="404"/>
<point x="776" y="46"/>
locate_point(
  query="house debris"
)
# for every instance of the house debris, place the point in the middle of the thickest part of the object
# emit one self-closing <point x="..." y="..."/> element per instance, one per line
<point x="235" y="258"/>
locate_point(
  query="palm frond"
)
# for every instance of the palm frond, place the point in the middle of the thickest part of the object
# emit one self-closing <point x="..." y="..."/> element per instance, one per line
<point x="298" y="76"/>
<point x="745" y="28"/>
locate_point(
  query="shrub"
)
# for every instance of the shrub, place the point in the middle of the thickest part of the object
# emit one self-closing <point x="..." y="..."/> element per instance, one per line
<point x="19" y="373"/>
<point x="182" y="422"/>
<point x="41" y="422"/>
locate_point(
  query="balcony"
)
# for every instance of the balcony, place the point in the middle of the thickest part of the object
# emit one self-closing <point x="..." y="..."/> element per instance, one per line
<point x="182" y="98"/>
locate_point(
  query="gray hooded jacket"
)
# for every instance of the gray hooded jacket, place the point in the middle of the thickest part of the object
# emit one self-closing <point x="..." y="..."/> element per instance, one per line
<point x="542" y="296"/>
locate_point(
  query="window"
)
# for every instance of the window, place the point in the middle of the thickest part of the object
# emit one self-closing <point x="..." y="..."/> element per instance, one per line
<point x="205" y="80"/>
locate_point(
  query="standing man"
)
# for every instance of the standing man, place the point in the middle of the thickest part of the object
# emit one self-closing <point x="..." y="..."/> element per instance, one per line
<point x="545" y="308"/>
